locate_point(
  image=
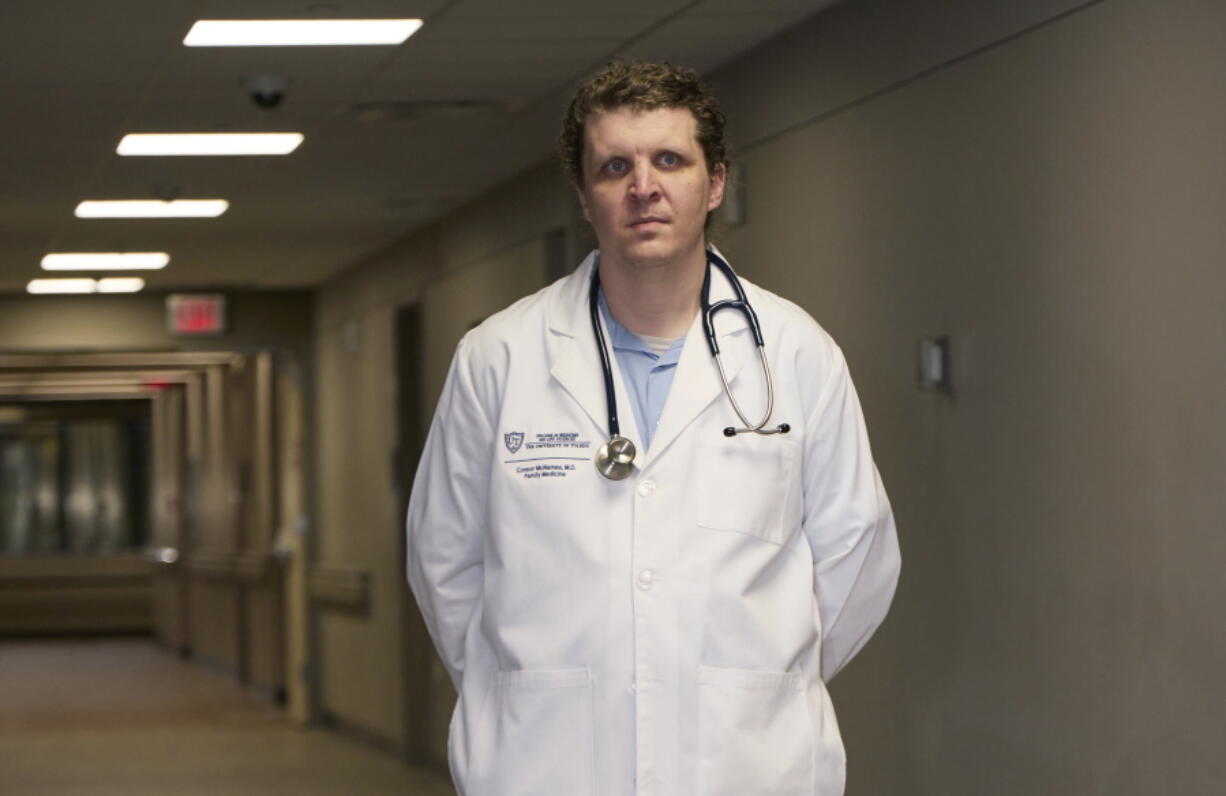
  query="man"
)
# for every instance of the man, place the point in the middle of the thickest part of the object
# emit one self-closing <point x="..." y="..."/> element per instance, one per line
<point x="669" y="633"/>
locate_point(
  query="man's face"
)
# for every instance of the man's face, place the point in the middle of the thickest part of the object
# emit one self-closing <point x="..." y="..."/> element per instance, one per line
<point x="646" y="189"/>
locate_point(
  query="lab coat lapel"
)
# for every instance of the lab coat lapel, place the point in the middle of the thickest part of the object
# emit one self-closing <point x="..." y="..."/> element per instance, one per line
<point x="574" y="360"/>
<point x="697" y="382"/>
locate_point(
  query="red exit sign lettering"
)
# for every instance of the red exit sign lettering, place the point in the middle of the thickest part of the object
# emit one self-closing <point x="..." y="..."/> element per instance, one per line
<point x="196" y="313"/>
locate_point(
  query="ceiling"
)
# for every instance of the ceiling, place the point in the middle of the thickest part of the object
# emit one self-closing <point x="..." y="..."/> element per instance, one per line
<point x="395" y="136"/>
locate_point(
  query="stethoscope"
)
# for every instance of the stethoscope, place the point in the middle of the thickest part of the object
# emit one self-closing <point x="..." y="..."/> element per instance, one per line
<point x="615" y="459"/>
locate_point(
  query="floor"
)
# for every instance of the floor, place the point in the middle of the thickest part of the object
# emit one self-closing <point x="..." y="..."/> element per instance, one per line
<point x="120" y="716"/>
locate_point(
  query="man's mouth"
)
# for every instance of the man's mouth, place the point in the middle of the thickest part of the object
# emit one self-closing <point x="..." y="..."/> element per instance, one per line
<point x="647" y="221"/>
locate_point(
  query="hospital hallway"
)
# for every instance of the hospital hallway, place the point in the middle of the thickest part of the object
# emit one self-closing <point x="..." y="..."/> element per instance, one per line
<point x="984" y="243"/>
<point x="101" y="716"/>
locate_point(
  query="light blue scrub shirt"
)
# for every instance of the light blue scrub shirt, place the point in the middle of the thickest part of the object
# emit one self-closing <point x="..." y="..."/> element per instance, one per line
<point x="646" y="375"/>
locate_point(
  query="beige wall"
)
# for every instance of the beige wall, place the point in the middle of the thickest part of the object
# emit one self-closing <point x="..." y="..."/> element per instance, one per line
<point x="1053" y="202"/>
<point x="359" y="665"/>
<point x="1041" y="181"/>
<point x="459" y="271"/>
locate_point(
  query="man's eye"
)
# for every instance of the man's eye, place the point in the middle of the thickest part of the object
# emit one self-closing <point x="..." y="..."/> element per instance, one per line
<point x="670" y="159"/>
<point x="616" y="167"/>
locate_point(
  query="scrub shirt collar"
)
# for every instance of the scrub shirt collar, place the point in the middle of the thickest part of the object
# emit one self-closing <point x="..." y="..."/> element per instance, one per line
<point x="623" y="339"/>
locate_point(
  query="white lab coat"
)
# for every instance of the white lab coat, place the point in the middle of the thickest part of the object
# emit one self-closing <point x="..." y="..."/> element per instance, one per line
<point x="669" y="634"/>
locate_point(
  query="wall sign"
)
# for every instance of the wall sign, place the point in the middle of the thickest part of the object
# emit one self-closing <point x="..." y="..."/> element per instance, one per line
<point x="190" y="314"/>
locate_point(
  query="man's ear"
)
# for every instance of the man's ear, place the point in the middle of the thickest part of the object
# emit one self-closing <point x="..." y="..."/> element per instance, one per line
<point x="718" y="178"/>
<point x="582" y="202"/>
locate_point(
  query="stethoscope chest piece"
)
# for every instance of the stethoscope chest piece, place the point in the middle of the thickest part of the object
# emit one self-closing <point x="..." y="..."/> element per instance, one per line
<point x="615" y="458"/>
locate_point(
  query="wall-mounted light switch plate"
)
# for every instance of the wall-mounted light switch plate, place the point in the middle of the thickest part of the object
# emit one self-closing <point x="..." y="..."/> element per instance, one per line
<point x="934" y="363"/>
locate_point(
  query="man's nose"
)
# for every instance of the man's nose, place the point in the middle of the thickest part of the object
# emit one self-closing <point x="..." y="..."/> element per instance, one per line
<point x="643" y="183"/>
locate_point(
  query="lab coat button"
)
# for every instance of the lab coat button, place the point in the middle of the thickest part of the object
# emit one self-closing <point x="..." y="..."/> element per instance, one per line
<point x="647" y="488"/>
<point x="646" y="579"/>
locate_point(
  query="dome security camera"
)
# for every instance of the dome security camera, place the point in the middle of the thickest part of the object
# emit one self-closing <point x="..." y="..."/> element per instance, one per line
<point x="266" y="91"/>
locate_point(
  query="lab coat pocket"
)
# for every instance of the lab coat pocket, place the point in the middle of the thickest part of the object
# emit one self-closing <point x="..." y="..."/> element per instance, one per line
<point x="541" y="734"/>
<point x="750" y="484"/>
<point x="755" y="734"/>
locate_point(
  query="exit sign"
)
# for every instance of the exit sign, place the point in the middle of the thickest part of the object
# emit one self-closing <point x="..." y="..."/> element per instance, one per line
<point x="196" y="313"/>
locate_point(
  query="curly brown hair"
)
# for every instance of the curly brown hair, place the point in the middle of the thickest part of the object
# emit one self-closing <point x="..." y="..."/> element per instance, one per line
<point x="642" y="86"/>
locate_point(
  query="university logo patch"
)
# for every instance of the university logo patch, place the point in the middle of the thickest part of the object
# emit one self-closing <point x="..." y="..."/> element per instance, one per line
<point x="513" y="440"/>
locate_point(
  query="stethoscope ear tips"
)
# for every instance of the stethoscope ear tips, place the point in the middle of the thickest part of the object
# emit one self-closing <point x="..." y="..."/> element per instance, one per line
<point x="784" y="428"/>
<point x="729" y="432"/>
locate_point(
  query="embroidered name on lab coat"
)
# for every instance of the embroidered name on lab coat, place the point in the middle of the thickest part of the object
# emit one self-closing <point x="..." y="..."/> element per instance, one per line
<point x="545" y="470"/>
<point x="546" y="455"/>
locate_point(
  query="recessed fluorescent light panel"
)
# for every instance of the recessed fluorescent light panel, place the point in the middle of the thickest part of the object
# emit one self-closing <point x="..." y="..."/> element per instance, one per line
<point x="105" y="261"/>
<point x="114" y="284"/>
<point x="299" y="32"/>
<point x="120" y="284"/>
<point x="152" y="208"/>
<point x="61" y="286"/>
<point x="161" y="144"/>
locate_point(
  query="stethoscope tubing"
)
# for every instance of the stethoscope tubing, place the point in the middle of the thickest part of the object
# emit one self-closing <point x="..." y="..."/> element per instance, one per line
<point x="605" y="365"/>
<point x="741" y="304"/>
